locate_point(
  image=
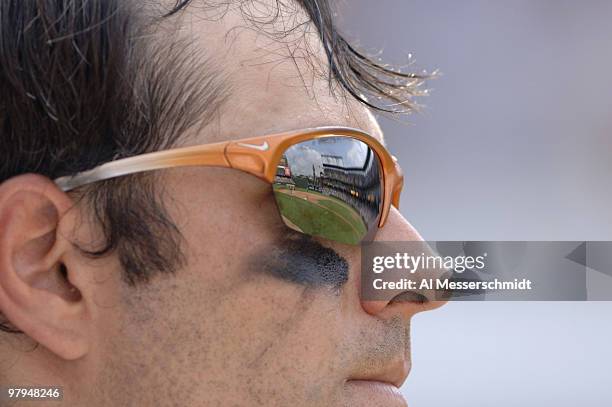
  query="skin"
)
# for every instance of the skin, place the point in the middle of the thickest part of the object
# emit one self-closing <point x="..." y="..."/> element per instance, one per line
<point x="231" y="327"/>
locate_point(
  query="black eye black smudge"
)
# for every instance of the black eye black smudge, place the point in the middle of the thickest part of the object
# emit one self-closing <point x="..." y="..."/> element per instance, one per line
<point x="300" y="259"/>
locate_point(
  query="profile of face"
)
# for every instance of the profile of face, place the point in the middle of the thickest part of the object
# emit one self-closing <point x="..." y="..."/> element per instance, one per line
<point x="257" y="313"/>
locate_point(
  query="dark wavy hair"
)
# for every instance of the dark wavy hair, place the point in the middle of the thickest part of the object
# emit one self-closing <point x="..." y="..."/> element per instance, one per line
<point x="80" y="86"/>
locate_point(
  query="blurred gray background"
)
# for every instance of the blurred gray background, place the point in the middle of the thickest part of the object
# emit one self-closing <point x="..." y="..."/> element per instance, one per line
<point x="515" y="143"/>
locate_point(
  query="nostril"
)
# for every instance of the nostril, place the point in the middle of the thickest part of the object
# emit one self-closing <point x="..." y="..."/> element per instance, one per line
<point x="409" y="296"/>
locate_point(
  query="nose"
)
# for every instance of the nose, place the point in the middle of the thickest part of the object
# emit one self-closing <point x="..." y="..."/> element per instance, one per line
<point x="407" y="303"/>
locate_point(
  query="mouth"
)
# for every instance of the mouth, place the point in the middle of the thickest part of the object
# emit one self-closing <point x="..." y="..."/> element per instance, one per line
<point x="375" y="393"/>
<point x="380" y="388"/>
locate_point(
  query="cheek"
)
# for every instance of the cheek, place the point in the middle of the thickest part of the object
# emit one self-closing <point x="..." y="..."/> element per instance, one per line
<point x="277" y="351"/>
<point x="268" y="329"/>
<point x="235" y="340"/>
<point x="223" y="214"/>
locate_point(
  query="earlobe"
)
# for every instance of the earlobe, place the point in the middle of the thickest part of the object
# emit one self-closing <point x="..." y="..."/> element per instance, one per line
<point x="36" y="294"/>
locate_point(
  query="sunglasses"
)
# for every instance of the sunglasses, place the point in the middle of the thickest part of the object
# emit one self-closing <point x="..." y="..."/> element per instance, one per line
<point x="336" y="183"/>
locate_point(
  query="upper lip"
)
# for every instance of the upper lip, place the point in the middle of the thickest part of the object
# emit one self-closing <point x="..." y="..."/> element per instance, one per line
<point x="392" y="373"/>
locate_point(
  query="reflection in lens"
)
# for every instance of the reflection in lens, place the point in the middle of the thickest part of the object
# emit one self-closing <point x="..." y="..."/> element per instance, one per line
<point x="330" y="187"/>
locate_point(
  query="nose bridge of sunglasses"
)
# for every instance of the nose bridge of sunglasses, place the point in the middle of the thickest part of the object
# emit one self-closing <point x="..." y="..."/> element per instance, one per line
<point x="398" y="183"/>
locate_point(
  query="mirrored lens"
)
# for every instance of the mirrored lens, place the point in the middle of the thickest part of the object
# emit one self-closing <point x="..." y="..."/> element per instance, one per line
<point x="330" y="187"/>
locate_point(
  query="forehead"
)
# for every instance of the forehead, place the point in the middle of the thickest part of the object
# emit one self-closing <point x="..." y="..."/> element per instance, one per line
<point x="276" y="72"/>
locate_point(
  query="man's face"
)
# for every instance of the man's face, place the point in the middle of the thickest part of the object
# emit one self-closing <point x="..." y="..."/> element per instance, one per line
<point x="234" y="327"/>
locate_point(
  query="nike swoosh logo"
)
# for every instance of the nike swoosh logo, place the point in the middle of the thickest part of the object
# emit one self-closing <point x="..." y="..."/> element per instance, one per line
<point x="260" y="147"/>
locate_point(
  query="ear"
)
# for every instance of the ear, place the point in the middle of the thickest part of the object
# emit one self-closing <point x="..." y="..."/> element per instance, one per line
<point x="37" y="295"/>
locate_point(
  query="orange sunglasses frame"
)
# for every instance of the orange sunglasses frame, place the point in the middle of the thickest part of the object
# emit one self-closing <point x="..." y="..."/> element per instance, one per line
<point x="258" y="156"/>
